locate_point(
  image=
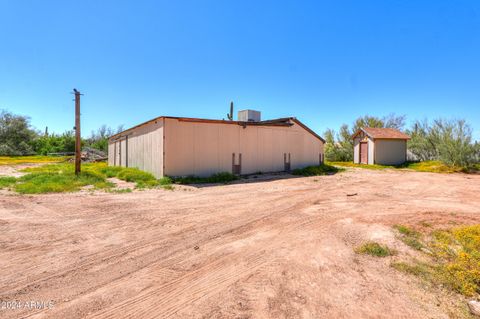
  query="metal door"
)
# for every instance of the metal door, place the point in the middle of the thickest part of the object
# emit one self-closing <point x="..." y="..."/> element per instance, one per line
<point x="364" y="152"/>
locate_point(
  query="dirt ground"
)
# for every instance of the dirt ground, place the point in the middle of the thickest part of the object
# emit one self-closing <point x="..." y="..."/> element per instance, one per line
<point x="266" y="249"/>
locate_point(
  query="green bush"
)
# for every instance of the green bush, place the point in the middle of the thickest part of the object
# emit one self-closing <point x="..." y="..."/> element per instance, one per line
<point x="6" y="181"/>
<point x="375" y="249"/>
<point x="165" y="181"/>
<point x="48" y="182"/>
<point x="16" y="134"/>
<point x="61" y="178"/>
<point x="323" y="169"/>
<point x="110" y="171"/>
<point x="449" y="141"/>
<point x="134" y="175"/>
<point x="54" y="143"/>
<point x="223" y="177"/>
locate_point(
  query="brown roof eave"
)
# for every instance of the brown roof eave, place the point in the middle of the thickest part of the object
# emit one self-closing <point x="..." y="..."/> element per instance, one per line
<point x="275" y="122"/>
<point x="308" y="129"/>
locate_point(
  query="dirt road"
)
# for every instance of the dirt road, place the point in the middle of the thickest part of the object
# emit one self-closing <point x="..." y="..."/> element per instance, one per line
<point x="275" y="249"/>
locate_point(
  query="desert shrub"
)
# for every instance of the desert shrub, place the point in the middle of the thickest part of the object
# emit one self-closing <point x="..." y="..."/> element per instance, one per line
<point x="375" y="249"/>
<point x="56" y="176"/>
<point x="110" y="171"/>
<point x="223" y="177"/>
<point x="449" y="141"/>
<point x="322" y="169"/>
<point x="409" y="236"/>
<point x="54" y="143"/>
<point x="135" y="175"/>
<point x="165" y="181"/>
<point x="6" y="181"/>
<point x="49" y="182"/>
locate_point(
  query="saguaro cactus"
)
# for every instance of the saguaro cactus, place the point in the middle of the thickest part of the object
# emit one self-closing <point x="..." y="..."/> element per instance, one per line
<point x="230" y="115"/>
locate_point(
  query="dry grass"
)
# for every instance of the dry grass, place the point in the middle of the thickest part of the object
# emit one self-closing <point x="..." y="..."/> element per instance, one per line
<point x="426" y="166"/>
<point x="453" y="259"/>
<point x="375" y="249"/>
<point x="409" y="236"/>
<point x="15" y="160"/>
<point x="60" y="177"/>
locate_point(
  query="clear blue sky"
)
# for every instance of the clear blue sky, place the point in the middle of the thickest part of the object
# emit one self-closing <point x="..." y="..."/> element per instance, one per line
<point x="325" y="62"/>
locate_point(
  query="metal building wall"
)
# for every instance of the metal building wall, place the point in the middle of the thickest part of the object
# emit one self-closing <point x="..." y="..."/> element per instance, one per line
<point x="141" y="148"/>
<point x="202" y="149"/>
<point x="390" y="152"/>
<point x="356" y="150"/>
<point x="371" y="151"/>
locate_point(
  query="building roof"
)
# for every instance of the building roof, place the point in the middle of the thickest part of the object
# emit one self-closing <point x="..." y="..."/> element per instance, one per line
<point x="285" y="121"/>
<point x="382" y="133"/>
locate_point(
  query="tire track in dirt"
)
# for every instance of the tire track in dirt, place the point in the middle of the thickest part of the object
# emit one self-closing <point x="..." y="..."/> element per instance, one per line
<point x="69" y="273"/>
<point x="211" y="278"/>
<point x="242" y="231"/>
<point x="265" y="224"/>
<point x="114" y="253"/>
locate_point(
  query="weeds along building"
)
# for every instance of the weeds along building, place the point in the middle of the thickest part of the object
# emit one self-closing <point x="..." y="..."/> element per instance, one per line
<point x="179" y="146"/>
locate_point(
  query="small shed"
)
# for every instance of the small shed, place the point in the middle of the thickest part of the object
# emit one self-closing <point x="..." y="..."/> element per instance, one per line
<point x="384" y="146"/>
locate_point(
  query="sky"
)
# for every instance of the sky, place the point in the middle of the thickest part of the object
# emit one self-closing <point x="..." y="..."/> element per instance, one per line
<point x="324" y="62"/>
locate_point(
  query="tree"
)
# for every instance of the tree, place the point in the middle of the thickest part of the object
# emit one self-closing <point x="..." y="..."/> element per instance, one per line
<point x="449" y="141"/>
<point x="99" y="139"/>
<point x="423" y="143"/>
<point x="16" y="135"/>
<point x="394" y="121"/>
<point x="54" y="143"/>
<point x="334" y="151"/>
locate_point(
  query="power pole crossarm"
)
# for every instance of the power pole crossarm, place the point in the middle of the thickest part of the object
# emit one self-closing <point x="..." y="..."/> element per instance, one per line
<point x="78" y="140"/>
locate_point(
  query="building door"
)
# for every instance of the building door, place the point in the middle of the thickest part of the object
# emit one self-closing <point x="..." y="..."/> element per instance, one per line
<point x="237" y="168"/>
<point x="364" y="152"/>
<point x="286" y="162"/>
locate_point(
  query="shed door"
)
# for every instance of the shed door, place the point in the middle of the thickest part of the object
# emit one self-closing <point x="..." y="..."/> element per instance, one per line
<point x="118" y="153"/>
<point x="364" y="152"/>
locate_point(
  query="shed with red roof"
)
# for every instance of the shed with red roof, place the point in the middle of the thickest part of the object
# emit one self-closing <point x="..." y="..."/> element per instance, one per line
<point x="384" y="146"/>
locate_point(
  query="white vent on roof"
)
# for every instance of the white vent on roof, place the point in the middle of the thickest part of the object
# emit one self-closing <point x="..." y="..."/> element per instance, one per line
<point x="249" y="116"/>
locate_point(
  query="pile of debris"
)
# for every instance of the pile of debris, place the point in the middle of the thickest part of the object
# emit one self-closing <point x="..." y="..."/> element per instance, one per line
<point x="89" y="155"/>
<point x="93" y="155"/>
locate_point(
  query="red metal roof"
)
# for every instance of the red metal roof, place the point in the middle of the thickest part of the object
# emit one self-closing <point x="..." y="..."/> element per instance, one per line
<point x="383" y="133"/>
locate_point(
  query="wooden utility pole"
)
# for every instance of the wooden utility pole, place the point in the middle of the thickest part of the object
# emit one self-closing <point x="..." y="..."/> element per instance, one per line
<point x="78" y="141"/>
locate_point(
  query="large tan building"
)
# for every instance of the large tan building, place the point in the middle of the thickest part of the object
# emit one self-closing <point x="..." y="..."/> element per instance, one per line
<point x="179" y="146"/>
<point x="384" y="146"/>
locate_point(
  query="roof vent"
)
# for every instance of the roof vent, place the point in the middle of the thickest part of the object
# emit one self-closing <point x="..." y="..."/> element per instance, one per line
<point x="248" y="116"/>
